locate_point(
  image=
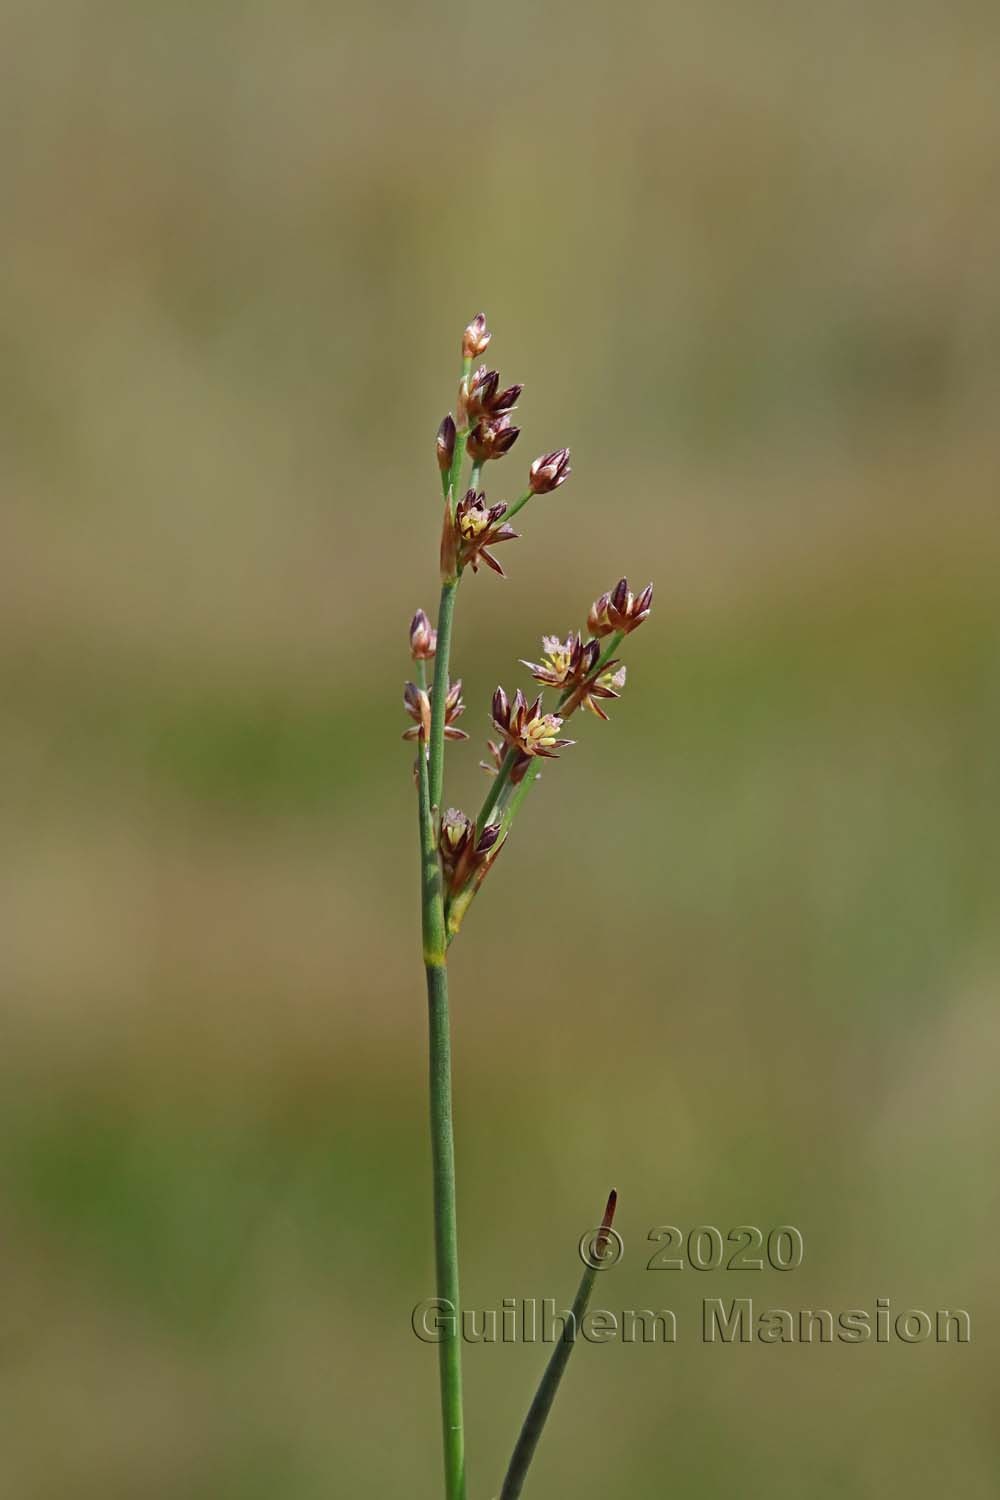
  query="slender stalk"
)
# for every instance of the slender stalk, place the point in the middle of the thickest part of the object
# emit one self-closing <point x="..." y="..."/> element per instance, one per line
<point x="513" y="509"/>
<point x="446" y="615"/>
<point x="445" y="1230"/>
<point x="497" y="786"/>
<point x="442" y="1134"/>
<point x="538" y="1411"/>
<point x="461" y="439"/>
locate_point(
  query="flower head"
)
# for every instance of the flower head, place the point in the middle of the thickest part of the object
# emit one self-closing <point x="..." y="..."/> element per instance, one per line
<point x="417" y="703"/>
<point x="619" y="610"/>
<point x="549" y="472"/>
<point x="477" y="528"/>
<point x="423" y="637"/>
<point x="483" y="398"/>
<point x="492" y="437"/>
<point x="525" y="728"/>
<point x="572" y="666"/>
<point x="462" y="853"/>
<point x="565" y="662"/>
<point x="476" y="337"/>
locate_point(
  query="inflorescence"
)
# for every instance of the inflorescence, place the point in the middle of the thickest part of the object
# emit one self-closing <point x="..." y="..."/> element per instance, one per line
<point x="581" y="669"/>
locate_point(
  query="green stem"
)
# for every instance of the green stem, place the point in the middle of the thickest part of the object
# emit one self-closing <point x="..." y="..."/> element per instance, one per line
<point x="496" y="788"/>
<point x="512" y="510"/>
<point x="475" y="477"/>
<point x="446" y="1230"/>
<point x="446" y="614"/>
<point x="442" y="1133"/>
<point x="461" y="439"/>
<point x="538" y="1411"/>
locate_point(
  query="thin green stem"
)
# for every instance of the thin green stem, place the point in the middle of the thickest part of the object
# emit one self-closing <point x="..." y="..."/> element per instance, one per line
<point x="446" y="615"/>
<point x="461" y="439"/>
<point x="497" y="786"/>
<point x="475" y="477"/>
<point x="538" y="1411"/>
<point x="442" y="1132"/>
<point x="513" y="509"/>
<point x="446" y="1230"/>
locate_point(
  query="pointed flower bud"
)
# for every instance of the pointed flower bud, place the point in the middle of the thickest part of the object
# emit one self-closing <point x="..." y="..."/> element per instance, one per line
<point x="505" y="401"/>
<point x="492" y="438"/>
<point x="549" y="472"/>
<point x="620" y="609"/>
<point x="423" y="637"/>
<point x="483" y="398"/>
<point x="446" y="443"/>
<point x="479" y="393"/>
<point x="476" y="337"/>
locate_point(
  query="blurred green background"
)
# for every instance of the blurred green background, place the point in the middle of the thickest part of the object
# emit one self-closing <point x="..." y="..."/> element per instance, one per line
<point x="741" y="958"/>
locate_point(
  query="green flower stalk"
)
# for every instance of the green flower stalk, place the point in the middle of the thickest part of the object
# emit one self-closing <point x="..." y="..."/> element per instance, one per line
<point x="457" y="852"/>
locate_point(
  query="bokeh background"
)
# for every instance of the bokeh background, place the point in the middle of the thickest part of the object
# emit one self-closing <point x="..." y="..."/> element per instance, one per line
<point x="741" y="959"/>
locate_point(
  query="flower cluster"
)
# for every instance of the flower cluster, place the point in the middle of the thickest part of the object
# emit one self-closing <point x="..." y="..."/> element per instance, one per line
<point x="475" y="528"/>
<point x="525" y="728"/>
<point x="574" y="666"/>
<point x="463" y="856"/>
<point x="417" y="702"/>
<point x="484" y="397"/>
<point x="580" y="668"/>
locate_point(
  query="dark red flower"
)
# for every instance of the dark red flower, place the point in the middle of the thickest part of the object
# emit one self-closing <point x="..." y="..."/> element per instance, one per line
<point x="619" y="610"/>
<point x="549" y="472"/>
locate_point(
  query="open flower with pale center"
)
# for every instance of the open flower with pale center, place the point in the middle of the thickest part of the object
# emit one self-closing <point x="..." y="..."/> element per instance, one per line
<point x="571" y="665"/>
<point x="478" y="527"/>
<point x="525" y="728"/>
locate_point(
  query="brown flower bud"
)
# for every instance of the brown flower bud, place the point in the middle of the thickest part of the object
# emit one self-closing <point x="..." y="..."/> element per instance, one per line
<point x="492" y="438"/>
<point x="481" y="389"/>
<point x="549" y="472"/>
<point x="619" y="610"/>
<point x="505" y="401"/>
<point x="476" y="337"/>
<point x="423" y="637"/>
<point x="446" y="443"/>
